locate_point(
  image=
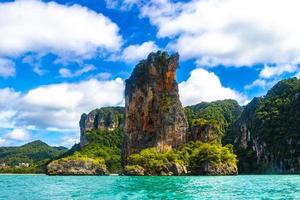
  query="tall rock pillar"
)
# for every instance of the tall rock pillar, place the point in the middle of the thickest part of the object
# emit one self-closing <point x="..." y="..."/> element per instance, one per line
<point x="154" y="116"/>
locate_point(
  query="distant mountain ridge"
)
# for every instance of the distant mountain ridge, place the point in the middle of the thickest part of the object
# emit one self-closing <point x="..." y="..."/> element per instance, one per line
<point x="36" y="154"/>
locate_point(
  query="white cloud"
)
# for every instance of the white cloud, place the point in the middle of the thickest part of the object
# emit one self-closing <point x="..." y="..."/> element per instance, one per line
<point x="18" y="134"/>
<point x="262" y="83"/>
<point x="7" y="97"/>
<point x="138" y="52"/>
<point x="8" y="102"/>
<point x="229" y="32"/>
<point x="65" y="30"/>
<point x="121" y="4"/>
<point x="103" y="75"/>
<point x="269" y="72"/>
<point x="68" y="141"/>
<point x="270" y="75"/>
<point x="7" y="68"/>
<point x="206" y="86"/>
<point x="60" y="105"/>
<point x="57" y="106"/>
<point x="66" y="73"/>
<point x="2" y="141"/>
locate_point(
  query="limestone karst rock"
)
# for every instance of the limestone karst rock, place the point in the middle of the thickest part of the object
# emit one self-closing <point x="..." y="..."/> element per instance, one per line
<point x="103" y="119"/>
<point x="154" y="116"/>
<point x="267" y="136"/>
<point x="78" y="166"/>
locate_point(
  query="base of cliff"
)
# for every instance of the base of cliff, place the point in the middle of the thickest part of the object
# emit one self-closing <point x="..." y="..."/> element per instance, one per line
<point x="171" y="169"/>
<point x="78" y="166"/>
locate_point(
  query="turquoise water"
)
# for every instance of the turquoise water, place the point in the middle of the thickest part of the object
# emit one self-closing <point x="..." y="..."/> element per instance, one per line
<point x="39" y="187"/>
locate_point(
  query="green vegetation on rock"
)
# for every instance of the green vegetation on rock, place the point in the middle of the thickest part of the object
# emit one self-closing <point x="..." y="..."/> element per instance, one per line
<point x="267" y="134"/>
<point x="77" y="164"/>
<point x="224" y="112"/>
<point x="103" y="149"/>
<point x="198" y="157"/>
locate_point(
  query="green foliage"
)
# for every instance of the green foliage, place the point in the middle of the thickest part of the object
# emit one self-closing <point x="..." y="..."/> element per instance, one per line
<point x="110" y="155"/>
<point x="274" y="122"/>
<point x="154" y="160"/>
<point x="22" y="170"/>
<point x="193" y="154"/>
<point x="223" y="112"/>
<point x="37" y="154"/>
<point x="103" y="145"/>
<point x="141" y="71"/>
<point x="211" y="126"/>
<point x="278" y="118"/>
<point x="278" y="114"/>
<point x="212" y="154"/>
<point x="129" y="168"/>
<point x="106" y="138"/>
<point x="78" y="156"/>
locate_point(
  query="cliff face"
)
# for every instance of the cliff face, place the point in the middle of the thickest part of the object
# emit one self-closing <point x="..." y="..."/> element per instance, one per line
<point x="100" y="142"/>
<point x="267" y="134"/>
<point x="154" y="116"/>
<point x="105" y="119"/>
<point x="205" y="131"/>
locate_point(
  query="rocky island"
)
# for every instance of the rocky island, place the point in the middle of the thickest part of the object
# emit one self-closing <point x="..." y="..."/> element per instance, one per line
<point x="152" y="132"/>
<point x="155" y="135"/>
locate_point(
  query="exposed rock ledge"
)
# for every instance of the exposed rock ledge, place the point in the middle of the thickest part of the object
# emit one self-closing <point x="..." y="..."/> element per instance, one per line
<point x="76" y="167"/>
<point x="171" y="169"/>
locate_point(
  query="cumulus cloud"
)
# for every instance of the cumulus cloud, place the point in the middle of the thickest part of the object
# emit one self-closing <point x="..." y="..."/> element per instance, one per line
<point x="261" y="83"/>
<point x="8" y="101"/>
<point x="18" y="134"/>
<point x="65" y="30"/>
<point x="2" y="141"/>
<point x="57" y="106"/>
<point x="68" y="141"/>
<point x="270" y="75"/>
<point x="269" y="72"/>
<point x="205" y="86"/>
<point x="65" y="102"/>
<point x="7" y="68"/>
<point x="138" y="52"/>
<point x="229" y="32"/>
<point x="66" y="73"/>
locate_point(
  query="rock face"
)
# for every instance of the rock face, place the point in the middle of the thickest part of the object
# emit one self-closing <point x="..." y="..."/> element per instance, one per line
<point x="103" y="119"/>
<point x="213" y="170"/>
<point x="205" y="131"/>
<point x="212" y="121"/>
<point x="267" y="136"/>
<point x="171" y="169"/>
<point x="85" y="166"/>
<point x="154" y="116"/>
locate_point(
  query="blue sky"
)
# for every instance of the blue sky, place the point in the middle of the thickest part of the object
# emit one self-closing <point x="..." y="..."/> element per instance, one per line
<point x="61" y="58"/>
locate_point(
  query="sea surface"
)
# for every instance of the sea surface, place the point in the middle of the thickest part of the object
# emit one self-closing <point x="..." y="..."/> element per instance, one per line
<point x="39" y="187"/>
